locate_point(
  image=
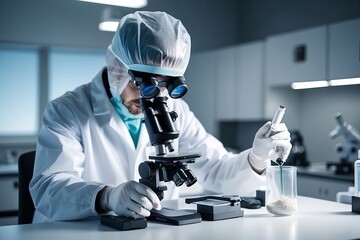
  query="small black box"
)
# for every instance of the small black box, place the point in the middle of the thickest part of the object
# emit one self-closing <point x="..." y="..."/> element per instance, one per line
<point x="260" y="194"/>
<point x="355" y="202"/>
<point x="122" y="223"/>
<point x="175" y="216"/>
<point x="213" y="208"/>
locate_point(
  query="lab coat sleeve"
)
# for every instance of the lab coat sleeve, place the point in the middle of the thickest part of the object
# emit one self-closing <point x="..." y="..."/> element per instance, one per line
<point x="57" y="189"/>
<point x="217" y="170"/>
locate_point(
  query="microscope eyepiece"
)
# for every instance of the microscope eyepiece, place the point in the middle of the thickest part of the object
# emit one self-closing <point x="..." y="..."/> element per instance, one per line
<point x="176" y="87"/>
<point x="149" y="88"/>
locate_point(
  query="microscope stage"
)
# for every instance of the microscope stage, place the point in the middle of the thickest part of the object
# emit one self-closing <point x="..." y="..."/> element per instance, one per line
<point x="175" y="157"/>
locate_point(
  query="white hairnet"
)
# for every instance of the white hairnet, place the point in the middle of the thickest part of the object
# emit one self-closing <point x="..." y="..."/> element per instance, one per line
<point x="152" y="42"/>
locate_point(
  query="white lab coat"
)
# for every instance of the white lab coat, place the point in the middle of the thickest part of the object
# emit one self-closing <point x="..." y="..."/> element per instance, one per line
<point x="84" y="144"/>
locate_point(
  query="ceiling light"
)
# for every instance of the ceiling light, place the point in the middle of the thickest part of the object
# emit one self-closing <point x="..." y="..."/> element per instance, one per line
<point x="110" y="19"/>
<point x="342" y="82"/>
<point x="120" y="3"/>
<point x="108" y="26"/>
<point x="312" y="84"/>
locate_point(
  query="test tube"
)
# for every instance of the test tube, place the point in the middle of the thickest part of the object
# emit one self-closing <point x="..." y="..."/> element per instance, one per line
<point x="277" y="118"/>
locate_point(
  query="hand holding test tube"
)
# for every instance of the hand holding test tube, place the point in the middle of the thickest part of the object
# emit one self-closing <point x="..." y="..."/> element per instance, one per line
<point x="273" y="143"/>
<point x="277" y="120"/>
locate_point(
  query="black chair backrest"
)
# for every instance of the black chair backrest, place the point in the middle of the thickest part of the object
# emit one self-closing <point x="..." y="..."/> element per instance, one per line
<point x="26" y="205"/>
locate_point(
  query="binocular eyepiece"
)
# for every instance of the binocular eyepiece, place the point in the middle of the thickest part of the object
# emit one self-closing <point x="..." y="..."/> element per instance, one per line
<point x="149" y="87"/>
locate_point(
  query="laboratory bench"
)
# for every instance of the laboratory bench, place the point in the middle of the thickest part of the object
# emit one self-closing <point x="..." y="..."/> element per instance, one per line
<point x="315" y="181"/>
<point x="314" y="219"/>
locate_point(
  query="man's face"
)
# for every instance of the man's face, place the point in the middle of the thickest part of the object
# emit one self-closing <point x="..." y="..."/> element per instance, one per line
<point x="130" y="96"/>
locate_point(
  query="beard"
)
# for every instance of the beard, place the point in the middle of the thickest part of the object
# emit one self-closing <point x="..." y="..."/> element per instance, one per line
<point x="133" y="106"/>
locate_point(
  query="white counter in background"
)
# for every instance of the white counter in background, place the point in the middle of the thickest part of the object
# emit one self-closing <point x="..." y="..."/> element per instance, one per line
<point x="8" y="169"/>
<point x="321" y="171"/>
<point x="319" y="182"/>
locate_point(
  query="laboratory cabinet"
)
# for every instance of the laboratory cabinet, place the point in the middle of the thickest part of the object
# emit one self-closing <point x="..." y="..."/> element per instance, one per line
<point x="249" y="92"/>
<point x="296" y="57"/>
<point x="9" y="185"/>
<point x="9" y="199"/>
<point x="239" y="82"/>
<point x="200" y="96"/>
<point x="322" y="188"/>
<point x="226" y="84"/>
<point x="344" y="49"/>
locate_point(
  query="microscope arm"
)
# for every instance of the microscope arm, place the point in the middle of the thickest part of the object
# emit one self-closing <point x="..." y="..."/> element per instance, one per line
<point x="346" y="130"/>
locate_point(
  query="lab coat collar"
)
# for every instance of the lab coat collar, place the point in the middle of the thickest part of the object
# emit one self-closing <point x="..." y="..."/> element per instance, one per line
<point x="102" y="107"/>
<point x="100" y="101"/>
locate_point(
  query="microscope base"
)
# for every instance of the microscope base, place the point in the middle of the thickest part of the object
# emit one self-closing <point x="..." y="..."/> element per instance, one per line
<point x="175" y="217"/>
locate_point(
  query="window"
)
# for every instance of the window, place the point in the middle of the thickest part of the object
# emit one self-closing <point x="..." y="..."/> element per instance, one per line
<point x="69" y="69"/>
<point x="19" y="105"/>
<point x="21" y="102"/>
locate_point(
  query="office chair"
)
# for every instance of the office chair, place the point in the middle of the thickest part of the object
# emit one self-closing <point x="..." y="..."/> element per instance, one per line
<point x="26" y="205"/>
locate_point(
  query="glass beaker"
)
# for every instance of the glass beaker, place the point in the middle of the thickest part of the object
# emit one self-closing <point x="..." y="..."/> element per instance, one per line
<point x="281" y="190"/>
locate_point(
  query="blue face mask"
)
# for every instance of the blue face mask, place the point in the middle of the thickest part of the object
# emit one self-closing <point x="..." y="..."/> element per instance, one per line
<point x="132" y="122"/>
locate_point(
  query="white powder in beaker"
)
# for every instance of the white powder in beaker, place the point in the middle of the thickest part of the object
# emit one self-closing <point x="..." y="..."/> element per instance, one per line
<point x="283" y="206"/>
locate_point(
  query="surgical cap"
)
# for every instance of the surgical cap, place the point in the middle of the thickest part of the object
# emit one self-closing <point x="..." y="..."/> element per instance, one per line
<point x="152" y="42"/>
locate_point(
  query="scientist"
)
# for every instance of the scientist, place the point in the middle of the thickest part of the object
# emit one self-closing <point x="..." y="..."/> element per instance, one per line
<point x="92" y="139"/>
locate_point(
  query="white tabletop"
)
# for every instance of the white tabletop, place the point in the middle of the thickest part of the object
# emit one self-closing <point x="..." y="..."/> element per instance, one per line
<point x="315" y="219"/>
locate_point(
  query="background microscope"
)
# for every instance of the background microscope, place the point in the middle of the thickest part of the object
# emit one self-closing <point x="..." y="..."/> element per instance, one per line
<point x="347" y="150"/>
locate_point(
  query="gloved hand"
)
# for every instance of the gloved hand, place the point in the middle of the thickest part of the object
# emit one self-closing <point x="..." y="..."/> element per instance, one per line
<point x="131" y="199"/>
<point x="270" y="148"/>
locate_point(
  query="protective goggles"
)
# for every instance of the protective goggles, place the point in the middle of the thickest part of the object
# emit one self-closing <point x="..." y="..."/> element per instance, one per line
<point x="149" y="87"/>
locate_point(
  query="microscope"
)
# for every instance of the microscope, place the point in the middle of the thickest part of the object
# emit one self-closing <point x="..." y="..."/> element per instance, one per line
<point x="166" y="165"/>
<point x="347" y="151"/>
